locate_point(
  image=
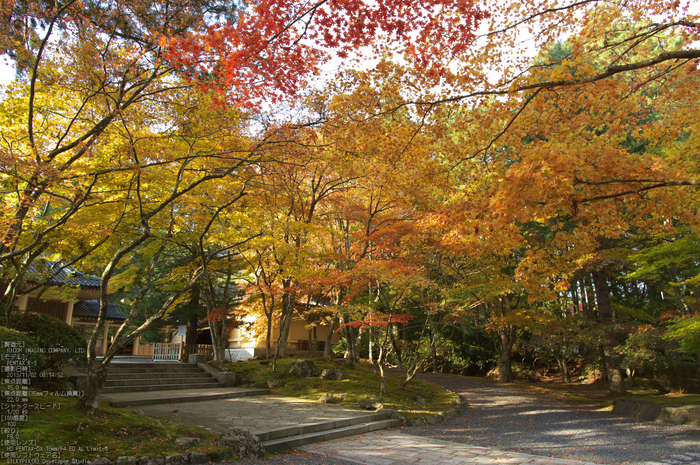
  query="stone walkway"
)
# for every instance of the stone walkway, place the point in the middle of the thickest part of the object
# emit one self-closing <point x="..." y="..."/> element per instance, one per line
<point x="257" y="414"/>
<point x="263" y="413"/>
<point x="392" y="448"/>
<point x="389" y="447"/>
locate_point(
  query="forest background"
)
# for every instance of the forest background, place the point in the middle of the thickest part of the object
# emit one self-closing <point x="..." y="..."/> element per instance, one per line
<point x="456" y="203"/>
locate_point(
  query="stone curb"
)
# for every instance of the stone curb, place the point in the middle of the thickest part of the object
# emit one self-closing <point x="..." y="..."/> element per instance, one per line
<point x="227" y="378"/>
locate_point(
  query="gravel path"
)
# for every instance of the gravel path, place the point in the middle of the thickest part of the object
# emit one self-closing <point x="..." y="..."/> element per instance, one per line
<point x="503" y="417"/>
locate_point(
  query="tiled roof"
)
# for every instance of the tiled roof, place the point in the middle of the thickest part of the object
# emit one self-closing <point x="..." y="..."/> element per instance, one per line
<point x="91" y="309"/>
<point x="67" y="276"/>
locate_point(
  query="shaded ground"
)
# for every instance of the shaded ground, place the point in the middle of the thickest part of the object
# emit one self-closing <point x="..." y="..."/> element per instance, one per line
<point x="257" y="414"/>
<point x="506" y="418"/>
<point x="597" y="395"/>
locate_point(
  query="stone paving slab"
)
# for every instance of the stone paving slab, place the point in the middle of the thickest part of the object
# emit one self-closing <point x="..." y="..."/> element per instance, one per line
<point x="391" y="448"/>
<point x="258" y="414"/>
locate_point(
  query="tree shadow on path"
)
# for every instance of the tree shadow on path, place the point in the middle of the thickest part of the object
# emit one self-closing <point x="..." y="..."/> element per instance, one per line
<point x="506" y="418"/>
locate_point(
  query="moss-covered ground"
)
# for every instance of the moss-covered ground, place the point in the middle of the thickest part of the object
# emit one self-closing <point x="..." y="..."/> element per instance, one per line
<point x="56" y="431"/>
<point x="598" y="396"/>
<point x="360" y="381"/>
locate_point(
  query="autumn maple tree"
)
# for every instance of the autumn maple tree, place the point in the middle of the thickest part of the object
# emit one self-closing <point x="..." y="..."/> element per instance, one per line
<point x="506" y="157"/>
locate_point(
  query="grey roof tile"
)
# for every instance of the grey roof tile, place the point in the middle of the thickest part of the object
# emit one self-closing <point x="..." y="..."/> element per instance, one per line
<point x="67" y="276"/>
<point x="91" y="309"/>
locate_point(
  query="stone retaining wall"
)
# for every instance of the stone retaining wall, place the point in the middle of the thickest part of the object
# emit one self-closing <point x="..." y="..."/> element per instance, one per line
<point x="675" y="414"/>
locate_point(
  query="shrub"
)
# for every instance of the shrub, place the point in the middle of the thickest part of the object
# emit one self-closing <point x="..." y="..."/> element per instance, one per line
<point x="686" y="332"/>
<point x="673" y="372"/>
<point x="646" y="351"/>
<point x="63" y="344"/>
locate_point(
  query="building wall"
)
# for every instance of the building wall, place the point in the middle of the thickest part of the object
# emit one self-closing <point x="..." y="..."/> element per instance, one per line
<point x="297" y="343"/>
<point x="142" y="349"/>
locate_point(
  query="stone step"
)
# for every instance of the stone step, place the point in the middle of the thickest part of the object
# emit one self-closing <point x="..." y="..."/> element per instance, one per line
<point x="112" y="381"/>
<point x="331" y="432"/>
<point x="145" y="375"/>
<point x="127" y="369"/>
<point x="306" y="428"/>
<point x="189" y="384"/>
<point x="142" y="377"/>
<point x="132" y="399"/>
<point x="155" y="368"/>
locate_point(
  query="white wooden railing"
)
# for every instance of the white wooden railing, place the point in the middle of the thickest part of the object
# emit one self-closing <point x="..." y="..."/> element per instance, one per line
<point x="165" y="351"/>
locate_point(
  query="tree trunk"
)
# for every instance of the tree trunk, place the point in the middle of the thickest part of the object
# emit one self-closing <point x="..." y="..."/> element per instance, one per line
<point x="411" y="373"/>
<point x="191" y="337"/>
<point x="8" y="300"/>
<point x="288" y="299"/>
<point x="191" y="333"/>
<point x="589" y="296"/>
<point x="505" y="359"/>
<point x="432" y="344"/>
<point x="563" y="367"/>
<point x="268" y="314"/>
<point x="313" y="338"/>
<point x="311" y="341"/>
<point x="358" y="343"/>
<point x="683" y="307"/>
<point x="328" y="348"/>
<point x="349" y="334"/>
<point x="477" y="330"/>
<point x="97" y="374"/>
<point x="97" y="371"/>
<point x="393" y="331"/>
<point x="612" y="358"/>
<point x="219" y="336"/>
<point x="381" y="363"/>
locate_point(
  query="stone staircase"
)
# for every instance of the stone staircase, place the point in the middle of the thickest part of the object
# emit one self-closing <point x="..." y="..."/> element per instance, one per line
<point x="150" y="383"/>
<point x="280" y="439"/>
<point x="137" y="383"/>
<point x="156" y="376"/>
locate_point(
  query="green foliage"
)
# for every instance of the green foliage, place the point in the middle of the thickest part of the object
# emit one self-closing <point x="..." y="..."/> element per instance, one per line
<point x="670" y="259"/>
<point x="594" y="369"/>
<point x="63" y="344"/>
<point x="674" y="373"/>
<point x="686" y="332"/>
<point x="630" y="313"/>
<point x="669" y="263"/>
<point x="450" y="355"/>
<point x="153" y="336"/>
<point x="648" y="352"/>
<point x="643" y="350"/>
